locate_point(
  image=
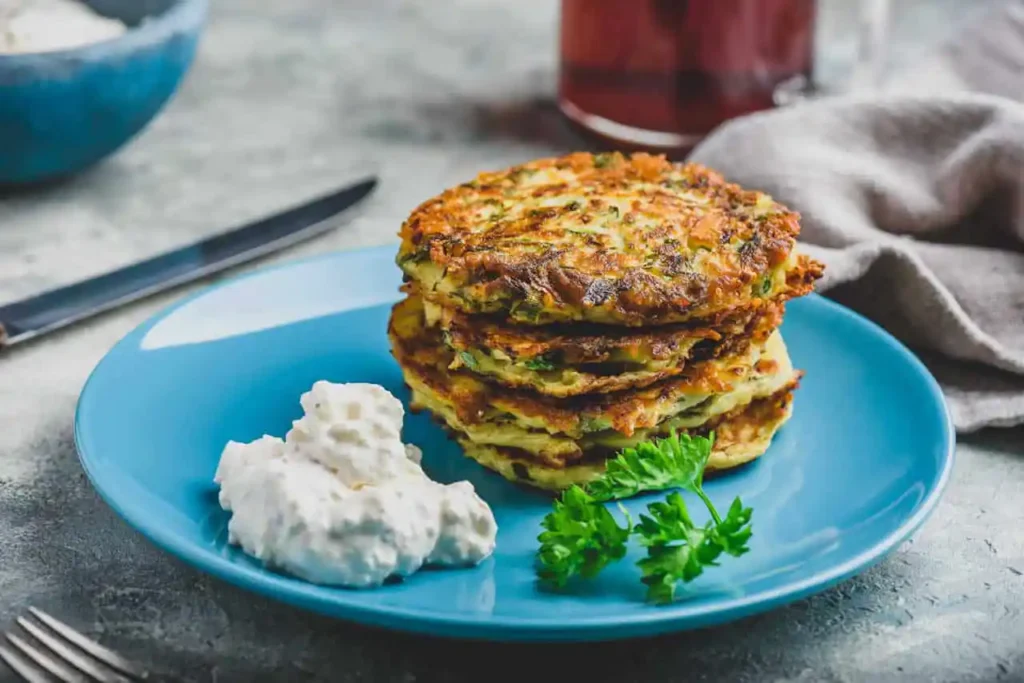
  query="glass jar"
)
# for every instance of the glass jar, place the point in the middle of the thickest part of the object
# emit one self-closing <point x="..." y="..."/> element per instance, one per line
<point x="661" y="74"/>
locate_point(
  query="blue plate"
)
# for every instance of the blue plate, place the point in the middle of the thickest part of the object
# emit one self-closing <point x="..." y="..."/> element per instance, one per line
<point x="858" y="468"/>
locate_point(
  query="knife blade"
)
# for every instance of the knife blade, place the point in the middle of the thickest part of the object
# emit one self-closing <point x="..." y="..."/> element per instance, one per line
<point x="58" y="308"/>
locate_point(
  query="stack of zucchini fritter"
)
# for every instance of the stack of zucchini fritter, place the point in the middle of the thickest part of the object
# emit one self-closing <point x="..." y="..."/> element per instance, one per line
<point x="561" y="310"/>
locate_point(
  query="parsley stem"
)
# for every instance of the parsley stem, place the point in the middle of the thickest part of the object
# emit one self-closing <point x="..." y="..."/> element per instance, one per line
<point x="707" y="501"/>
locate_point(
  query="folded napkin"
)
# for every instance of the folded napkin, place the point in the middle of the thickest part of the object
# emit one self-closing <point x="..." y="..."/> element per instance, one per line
<point x="915" y="203"/>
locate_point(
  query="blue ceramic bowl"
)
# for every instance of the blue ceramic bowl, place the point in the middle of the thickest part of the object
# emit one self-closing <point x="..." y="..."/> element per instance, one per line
<point x="63" y="111"/>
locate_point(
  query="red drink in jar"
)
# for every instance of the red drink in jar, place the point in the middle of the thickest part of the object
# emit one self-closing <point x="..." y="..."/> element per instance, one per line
<point x="662" y="73"/>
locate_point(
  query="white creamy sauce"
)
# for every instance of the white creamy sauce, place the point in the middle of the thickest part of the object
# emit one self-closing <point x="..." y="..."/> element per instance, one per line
<point x="342" y="501"/>
<point x="47" y="25"/>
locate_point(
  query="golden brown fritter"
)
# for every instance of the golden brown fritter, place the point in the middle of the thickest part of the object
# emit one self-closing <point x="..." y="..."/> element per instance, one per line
<point x="560" y="430"/>
<point x="608" y="239"/>
<point x="573" y="359"/>
<point x="740" y="437"/>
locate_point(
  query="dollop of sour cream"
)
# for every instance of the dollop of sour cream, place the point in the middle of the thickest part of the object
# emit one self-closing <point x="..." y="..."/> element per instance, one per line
<point x="47" y="25"/>
<point x="342" y="501"/>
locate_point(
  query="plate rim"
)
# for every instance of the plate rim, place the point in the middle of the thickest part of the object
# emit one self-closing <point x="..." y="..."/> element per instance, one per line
<point x="657" y="620"/>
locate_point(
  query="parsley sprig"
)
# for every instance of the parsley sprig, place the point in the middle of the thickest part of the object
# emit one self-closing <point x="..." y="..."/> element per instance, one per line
<point x="581" y="536"/>
<point x="679" y="550"/>
<point x="676" y="461"/>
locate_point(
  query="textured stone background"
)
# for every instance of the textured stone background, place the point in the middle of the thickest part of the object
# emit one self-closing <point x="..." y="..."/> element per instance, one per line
<point x="288" y="99"/>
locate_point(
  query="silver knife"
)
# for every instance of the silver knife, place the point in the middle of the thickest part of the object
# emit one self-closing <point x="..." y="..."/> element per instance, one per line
<point x="32" y="317"/>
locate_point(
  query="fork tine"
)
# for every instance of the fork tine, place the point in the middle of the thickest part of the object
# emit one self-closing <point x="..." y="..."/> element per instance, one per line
<point x="95" y="649"/>
<point x="83" y="664"/>
<point x="21" y="666"/>
<point x="61" y="671"/>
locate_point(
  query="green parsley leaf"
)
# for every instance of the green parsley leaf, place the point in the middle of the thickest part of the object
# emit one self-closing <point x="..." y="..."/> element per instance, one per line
<point x="675" y="461"/>
<point x="668" y="521"/>
<point x="539" y="363"/>
<point x="603" y="160"/>
<point x="579" y="538"/>
<point x="666" y="565"/>
<point x="468" y="360"/>
<point x="735" y="530"/>
<point x="526" y="310"/>
<point x="678" y="550"/>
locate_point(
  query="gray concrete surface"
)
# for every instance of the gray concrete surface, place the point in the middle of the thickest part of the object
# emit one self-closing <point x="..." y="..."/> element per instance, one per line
<point x="288" y="98"/>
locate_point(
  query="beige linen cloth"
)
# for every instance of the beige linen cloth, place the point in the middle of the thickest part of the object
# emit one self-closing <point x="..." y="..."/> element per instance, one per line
<point x="914" y="199"/>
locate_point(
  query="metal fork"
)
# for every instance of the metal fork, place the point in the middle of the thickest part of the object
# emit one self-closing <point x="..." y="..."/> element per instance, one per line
<point x="55" y="648"/>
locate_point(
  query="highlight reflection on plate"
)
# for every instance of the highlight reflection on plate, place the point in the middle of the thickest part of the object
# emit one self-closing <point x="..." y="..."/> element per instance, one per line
<point x="855" y="471"/>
